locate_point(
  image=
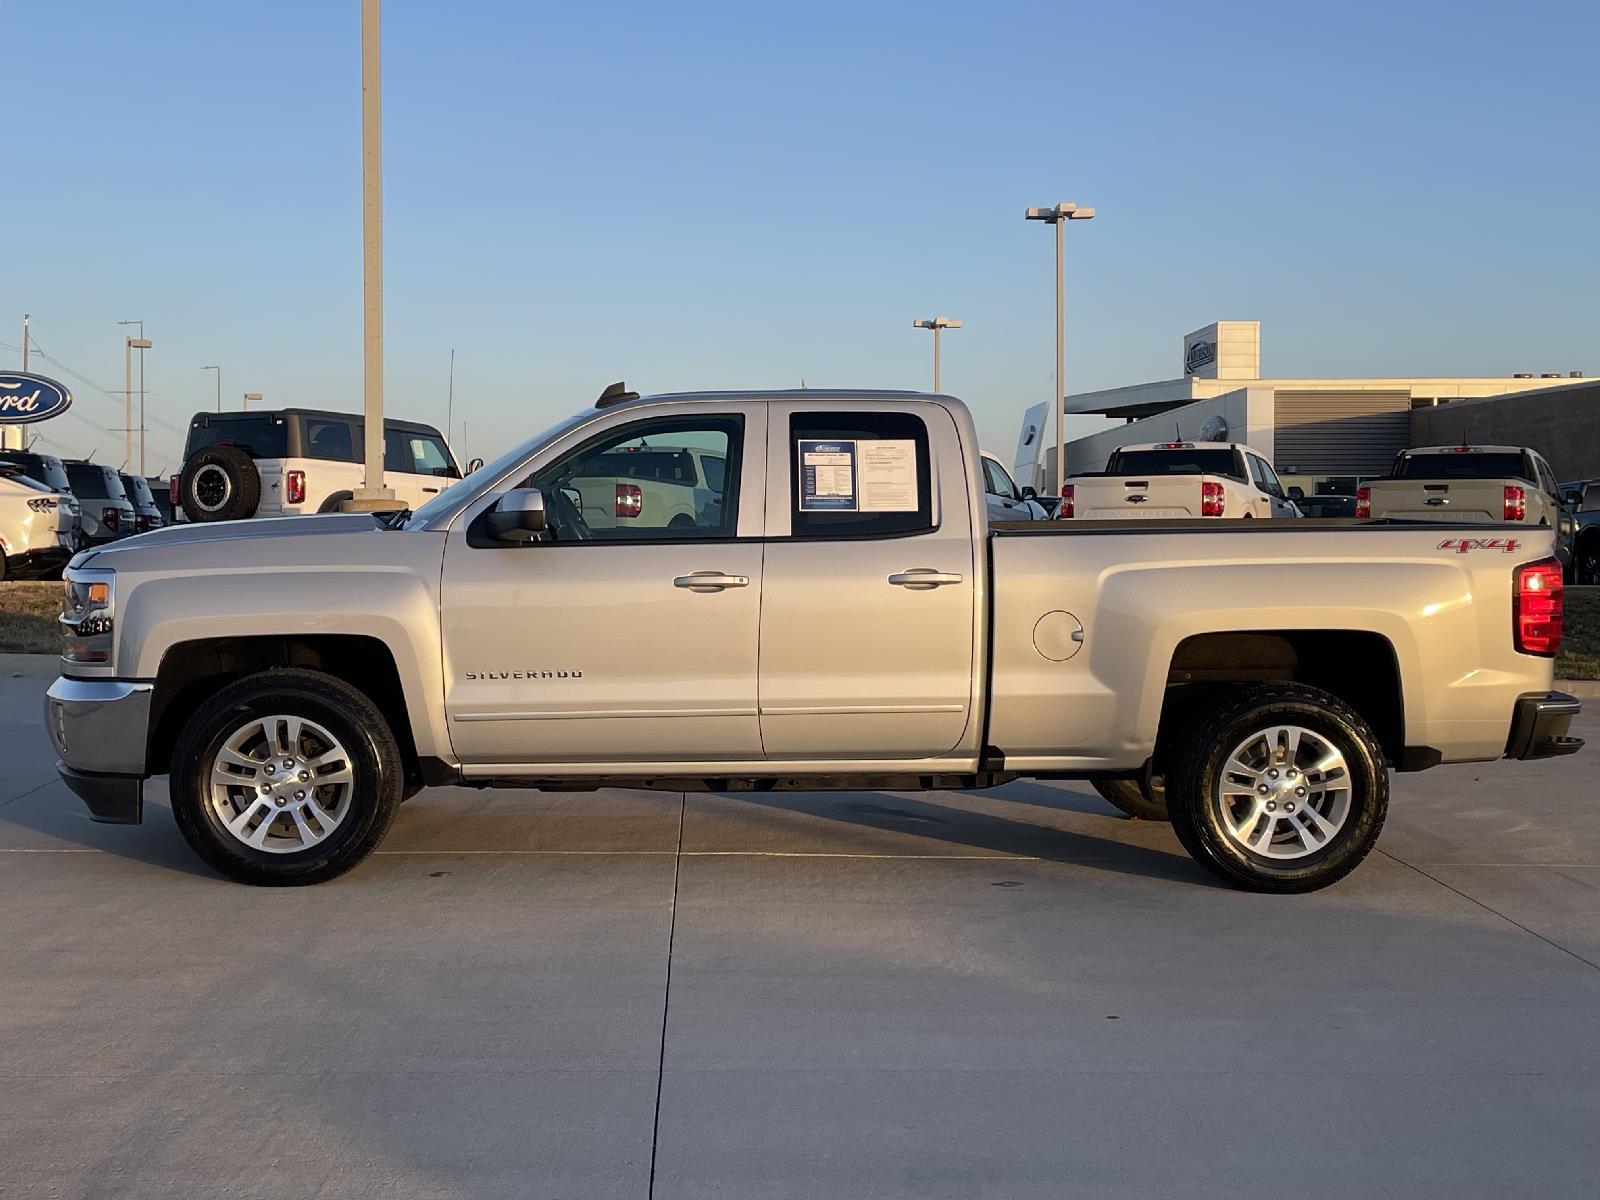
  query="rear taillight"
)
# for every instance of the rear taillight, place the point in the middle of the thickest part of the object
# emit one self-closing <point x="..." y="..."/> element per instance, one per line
<point x="295" y="488"/>
<point x="1516" y="503"/>
<point x="173" y="489"/>
<point x="141" y="523"/>
<point x="1213" y="500"/>
<point x="1069" y="500"/>
<point x="1536" y="608"/>
<point x="1363" y="502"/>
<point x="630" y="500"/>
<point x="111" y="518"/>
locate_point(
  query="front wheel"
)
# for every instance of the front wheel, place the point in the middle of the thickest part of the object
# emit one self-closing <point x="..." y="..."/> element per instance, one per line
<point x="286" y="777"/>
<point x="1282" y="788"/>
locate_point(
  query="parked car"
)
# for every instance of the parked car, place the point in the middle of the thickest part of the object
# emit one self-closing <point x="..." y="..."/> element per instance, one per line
<point x="844" y="617"/>
<point x="1581" y="498"/>
<point x="292" y="461"/>
<point x="146" y="512"/>
<point x="1170" y="480"/>
<point x="665" y="484"/>
<point x="47" y="469"/>
<point x="1004" y="500"/>
<point x="106" y="512"/>
<point x="37" y="530"/>
<point x="1500" y="485"/>
<point x="163" y="493"/>
<point x="1323" y="505"/>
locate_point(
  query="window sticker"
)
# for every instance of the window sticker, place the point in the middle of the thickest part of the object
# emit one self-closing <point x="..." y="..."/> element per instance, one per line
<point x="888" y="469"/>
<point x="827" y="476"/>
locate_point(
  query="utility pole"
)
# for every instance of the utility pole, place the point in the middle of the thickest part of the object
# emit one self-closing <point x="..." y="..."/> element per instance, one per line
<point x="373" y="496"/>
<point x="129" y="345"/>
<point x="218" y="370"/>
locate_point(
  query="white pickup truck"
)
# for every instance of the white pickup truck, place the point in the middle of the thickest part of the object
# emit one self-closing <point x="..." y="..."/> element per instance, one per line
<point x="843" y="617"/>
<point x="1172" y="480"/>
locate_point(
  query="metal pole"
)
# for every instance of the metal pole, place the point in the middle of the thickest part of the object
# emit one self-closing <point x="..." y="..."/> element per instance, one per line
<point x="450" y="401"/>
<point x="24" y="341"/>
<point x="1061" y="395"/>
<point x="372" y="248"/>
<point x="141" y="402"/>
<point x="127" y="402"/>
<point x="219" y="389"/>
<point x="936" y="359"/>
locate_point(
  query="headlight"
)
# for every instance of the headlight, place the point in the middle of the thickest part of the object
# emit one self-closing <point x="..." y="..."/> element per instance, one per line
<point x="88" y="613"/>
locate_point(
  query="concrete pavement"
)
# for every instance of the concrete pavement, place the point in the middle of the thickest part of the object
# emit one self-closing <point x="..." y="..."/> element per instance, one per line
<point x="1009" y="994"/>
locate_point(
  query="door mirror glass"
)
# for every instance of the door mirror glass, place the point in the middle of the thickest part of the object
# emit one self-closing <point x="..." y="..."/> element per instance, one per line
<point x="1296" y="492"/>
<point x="1029" y="493"/>
<point x="518" y="517"/>
<point x="475" y="465"/>
<point x="573" y="494"/>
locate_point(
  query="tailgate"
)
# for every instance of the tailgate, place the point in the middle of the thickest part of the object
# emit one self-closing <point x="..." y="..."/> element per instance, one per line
<point x="1439" y="499"/>
<point x="1133" y="497"/>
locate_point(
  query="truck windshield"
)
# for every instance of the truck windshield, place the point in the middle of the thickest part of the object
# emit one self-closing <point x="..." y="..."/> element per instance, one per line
<point x="1191" y="461"/>
<point x="1495" y="465"/>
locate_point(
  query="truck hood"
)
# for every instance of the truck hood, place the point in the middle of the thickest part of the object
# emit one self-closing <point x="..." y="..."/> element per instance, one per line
<point x="283" y="531"/>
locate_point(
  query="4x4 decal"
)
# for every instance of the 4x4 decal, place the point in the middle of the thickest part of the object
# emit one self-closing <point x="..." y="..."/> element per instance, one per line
<point x="1463" y="545"/>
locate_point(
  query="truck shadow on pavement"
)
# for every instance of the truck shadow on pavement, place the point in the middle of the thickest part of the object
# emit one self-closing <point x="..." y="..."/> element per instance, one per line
<point x="1078" y="830"/>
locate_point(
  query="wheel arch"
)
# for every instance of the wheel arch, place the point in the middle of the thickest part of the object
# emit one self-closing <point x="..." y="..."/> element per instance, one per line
<point x="193" y="670"/>
<point x="1360" y="667"/>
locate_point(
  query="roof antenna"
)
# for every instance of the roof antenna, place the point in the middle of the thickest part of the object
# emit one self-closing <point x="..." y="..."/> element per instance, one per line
<point x="617" y="393"/>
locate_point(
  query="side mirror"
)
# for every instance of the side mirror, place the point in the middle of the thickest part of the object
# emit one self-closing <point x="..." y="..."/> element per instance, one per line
<point x="474" y="465"/>
<point x="1296" y="492"/>
<point x="1029" y="493"/>
<point x="519" y="517"/>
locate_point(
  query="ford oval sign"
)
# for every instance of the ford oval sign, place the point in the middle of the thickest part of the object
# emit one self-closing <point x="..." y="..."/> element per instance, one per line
<point x="26" y="398"/>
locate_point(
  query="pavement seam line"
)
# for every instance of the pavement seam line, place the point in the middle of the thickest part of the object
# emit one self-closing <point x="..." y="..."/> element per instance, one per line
<point x="1491" y="909"/>
<point x="29" y="792"/>
<point x="666" y="997"/>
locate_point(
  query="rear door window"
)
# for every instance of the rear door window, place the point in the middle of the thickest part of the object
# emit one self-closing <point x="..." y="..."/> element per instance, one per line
<point x="330" y="440"/>
<point x="859" y="475"/>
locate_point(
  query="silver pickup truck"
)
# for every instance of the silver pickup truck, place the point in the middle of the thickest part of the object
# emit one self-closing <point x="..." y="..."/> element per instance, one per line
<point x="843" y="617"/>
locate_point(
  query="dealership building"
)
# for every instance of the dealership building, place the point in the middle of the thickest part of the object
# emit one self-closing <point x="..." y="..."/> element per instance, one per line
<point x="1311" y="430"/>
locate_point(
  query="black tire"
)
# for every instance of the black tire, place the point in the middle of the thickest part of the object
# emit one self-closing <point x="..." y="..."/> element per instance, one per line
<point x="377" y="769"/>
<point x="220" y="483"/>
<point x="1141" y="799"/>
<point x="3" y="571"/>
<point x="332" y="503"/>
<point x="1586" y="560"/>
<point x="1196" y="811"/>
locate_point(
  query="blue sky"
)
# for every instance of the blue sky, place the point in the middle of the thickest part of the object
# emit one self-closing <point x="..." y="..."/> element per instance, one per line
<point x="721" y="195"/>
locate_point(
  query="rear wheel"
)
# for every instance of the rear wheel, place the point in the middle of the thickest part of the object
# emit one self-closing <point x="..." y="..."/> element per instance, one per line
<point x="286" y="777"/>
<point x="334" y="502"/>
<point x="1281" y="788"/>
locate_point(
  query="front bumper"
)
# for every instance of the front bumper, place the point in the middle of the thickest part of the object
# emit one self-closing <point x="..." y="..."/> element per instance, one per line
<point x="100" y="728"/>
<point x="1539" y="726"/>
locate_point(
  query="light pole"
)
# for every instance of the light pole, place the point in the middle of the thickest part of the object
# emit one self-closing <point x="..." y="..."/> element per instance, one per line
<point x="1059" y="216"/>
<point x="129" y="345"/>
<point x="249" y="396"/>
<point x="218" y="370"/>
<point x="372" y="496"/>
<point x="938" y="325"/>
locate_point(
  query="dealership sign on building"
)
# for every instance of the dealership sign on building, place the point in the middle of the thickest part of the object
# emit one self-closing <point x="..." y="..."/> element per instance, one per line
<point x="27" y="398"/>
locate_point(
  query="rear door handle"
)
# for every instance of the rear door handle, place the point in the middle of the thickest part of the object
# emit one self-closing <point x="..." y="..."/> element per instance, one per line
<point x="431" y="491"/>
<point x="710" y="581"/>
<point x="923" y="577"/>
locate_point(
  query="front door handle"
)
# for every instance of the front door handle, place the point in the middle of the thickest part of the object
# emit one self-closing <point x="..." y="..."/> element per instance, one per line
<point x="710" y="581"/>
<point x="923" y="577"/>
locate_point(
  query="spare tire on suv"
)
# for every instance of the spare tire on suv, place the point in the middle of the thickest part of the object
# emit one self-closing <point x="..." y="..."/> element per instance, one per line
<point x="220" y="483"/>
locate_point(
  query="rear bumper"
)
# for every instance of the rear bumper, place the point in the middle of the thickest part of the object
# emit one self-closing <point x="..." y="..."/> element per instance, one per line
<point x="1539" y="726"/>
<point x="46" y="560"/>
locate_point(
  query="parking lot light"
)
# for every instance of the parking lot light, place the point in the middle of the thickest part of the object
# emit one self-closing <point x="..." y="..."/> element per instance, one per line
<point x="1058" y="215"/>
<point x="938" y="325"/>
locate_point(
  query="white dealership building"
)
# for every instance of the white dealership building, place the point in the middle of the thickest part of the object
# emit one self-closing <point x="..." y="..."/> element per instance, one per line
<point x="1309" y="429"/>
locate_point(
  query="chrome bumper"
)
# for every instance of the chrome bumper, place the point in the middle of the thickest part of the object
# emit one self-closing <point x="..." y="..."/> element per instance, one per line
<point x="100" y="728"/>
